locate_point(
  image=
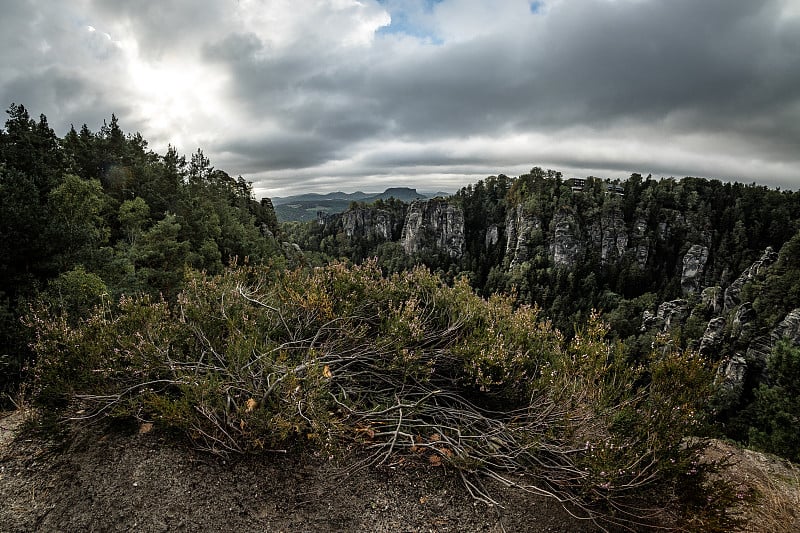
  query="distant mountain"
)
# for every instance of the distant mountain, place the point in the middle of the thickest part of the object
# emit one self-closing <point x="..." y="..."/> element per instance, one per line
<point x="403" y="194"/>
<point x="316" y="197"/>
<point x="304" y="207"/>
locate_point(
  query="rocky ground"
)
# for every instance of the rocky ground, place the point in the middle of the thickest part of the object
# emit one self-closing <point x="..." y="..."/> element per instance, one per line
<point x="112" y="481"/>
<point x="768" y="488"/>
<point x="137" y="480"/>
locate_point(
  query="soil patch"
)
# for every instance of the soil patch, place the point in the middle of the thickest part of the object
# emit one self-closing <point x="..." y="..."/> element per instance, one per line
<point x="116" y="482"/>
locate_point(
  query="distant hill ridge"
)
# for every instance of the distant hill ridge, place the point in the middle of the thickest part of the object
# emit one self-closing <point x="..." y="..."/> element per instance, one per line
<point x="303" y="207"/>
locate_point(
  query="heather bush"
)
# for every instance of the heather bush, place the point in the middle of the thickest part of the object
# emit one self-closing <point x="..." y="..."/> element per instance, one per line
<point x="405" y="365"/>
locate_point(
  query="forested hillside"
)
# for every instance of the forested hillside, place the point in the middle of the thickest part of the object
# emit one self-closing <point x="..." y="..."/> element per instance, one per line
<point x="603" y="244"/>
<point x="305" y="207"/>
<point x="577" y="339"/>
<point x="96" y="215"/>
<point x="691" y="260"/>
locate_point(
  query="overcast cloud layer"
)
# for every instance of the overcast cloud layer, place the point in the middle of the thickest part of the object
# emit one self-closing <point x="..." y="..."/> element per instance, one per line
<point x="361" y="95"/>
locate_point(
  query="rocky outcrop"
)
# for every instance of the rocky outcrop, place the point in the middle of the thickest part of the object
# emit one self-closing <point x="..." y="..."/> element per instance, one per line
<point x="433" y="225"/>
<point x="731" y="375"/>
<point x="566" y="244"/>
<point x="694" y="264"/>
<point x="610" y="236"/>
<point x="492" y="236"/>
<point x="521" y="229"/>
<point x="641" y="243"/>
<point x="789" y="328"/>
<point x="758" y="268"/>
<point x="572" y="237"/>
<point x="749" y="346"/>
<point x="712" y="300"/>
<point x="425" y="226"/>
<point x="743" y="326"/>
<point x="759" y="348"/>
<point x="668" y="316"/>
<point x="369" y="224"/>
<point x="670" y="221"/>
<point x="713" y="336"/>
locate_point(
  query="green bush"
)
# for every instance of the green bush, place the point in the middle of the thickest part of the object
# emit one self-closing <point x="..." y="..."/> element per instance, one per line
<point x="406" y="365"/>
<point x="774" y="415"/>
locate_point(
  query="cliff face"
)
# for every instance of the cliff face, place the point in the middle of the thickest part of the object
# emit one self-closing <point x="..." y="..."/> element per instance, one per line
<point x="365" y="223"/>
<point x="571" y="237"/>
<point x="371" y="224"/>
<point x="566" y="246"/>
<point x="426" y="226"/>
<point x="579" y="244"/>
<point x="609" y="235"/>
<point x="662" y="240"/>
<point x="641" y="242"/>
<point x="757" y="269"/>
<point x="734" y="336"/>
<point x="522" y="230"/>
<point x="433" y="225"/>
<point x="694" y="264"/>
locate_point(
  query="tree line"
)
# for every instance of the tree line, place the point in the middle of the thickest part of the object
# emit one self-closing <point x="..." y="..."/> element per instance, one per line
<point x="98" y="214"/>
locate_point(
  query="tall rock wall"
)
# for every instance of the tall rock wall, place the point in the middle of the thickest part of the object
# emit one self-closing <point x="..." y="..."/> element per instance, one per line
<point x="694" y="264"/>
<point x="568" y="238"/>
<point x="435" y="226"/>
<point x="609" y="235"/>
<point x="733" y="335"/>
<point x="368" y="223"/>
<point x="759" y="267"/>
<point x="567" y="245"/>
<point x="521" y="229"/>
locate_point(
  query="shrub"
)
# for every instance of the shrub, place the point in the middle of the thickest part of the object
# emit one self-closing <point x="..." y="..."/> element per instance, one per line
<point x="405" y="365"/>
<point x="774" y="415"/>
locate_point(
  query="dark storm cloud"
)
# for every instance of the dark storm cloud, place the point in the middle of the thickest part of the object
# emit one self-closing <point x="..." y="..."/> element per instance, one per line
<point x="58" y="64"/>
<point x="278" y="151"/>
<point x="305" y="94"/>
<point x="718" y="60"/>
<point x="594" y="62"/>
<point x="721" y="67"/>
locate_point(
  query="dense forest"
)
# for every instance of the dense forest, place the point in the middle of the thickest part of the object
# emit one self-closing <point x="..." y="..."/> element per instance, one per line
<point x="563" y="336"/>
<point x="99" y="213"/>
<point x="656" y="258"/>
<point x="735" y="222"/>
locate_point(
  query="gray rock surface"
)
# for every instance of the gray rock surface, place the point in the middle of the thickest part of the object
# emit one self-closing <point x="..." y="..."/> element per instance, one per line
<point x="609" y="235"/>
<point x="492" y="236"/>
<point x="712" y="300"/>
<point x="789" y="328"/>
<point x="369" y="223"/>
<point x="694" y="264"/>
<point x="731" y="375"/>
<point x="758" y="268"/>
<point x="743" y="325"/>
<point x="433" y="225"/>
<point x="641" y="243"/>
<point x="668" y="316"/>
<point x="713" y="336"/>
<point x="566" y="244"/>
<point x="520" y="228"/>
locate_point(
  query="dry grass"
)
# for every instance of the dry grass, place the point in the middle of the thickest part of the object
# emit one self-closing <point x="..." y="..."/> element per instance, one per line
<point x="768" y="488"/>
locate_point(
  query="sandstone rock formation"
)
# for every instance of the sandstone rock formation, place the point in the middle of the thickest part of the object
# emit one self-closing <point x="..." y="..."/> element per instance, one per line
<point x="370" y="224"/>
<point x="433" y="225"/>
<point x="521" y="227"/>
<point x="566" y="244"/>
<point x="694" y="264"/>
<point x="757" y="268"/>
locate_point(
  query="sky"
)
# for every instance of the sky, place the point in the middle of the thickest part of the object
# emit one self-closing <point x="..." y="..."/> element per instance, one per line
<point x="323" y="95"/>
